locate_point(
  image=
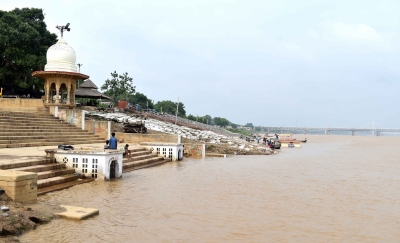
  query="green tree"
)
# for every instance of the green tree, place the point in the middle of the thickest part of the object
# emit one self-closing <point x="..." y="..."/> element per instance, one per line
<point x="140" y="99"/>
<point x="191" y="117"/>
<point x="119" y="87"/>
<point x="24" y="40"/>
<point x="170" y="107"/>
<point x="249" y="125"/>
<point x="221" y="121"/>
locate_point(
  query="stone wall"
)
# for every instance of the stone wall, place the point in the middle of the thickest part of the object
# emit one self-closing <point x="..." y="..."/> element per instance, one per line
<point x="136" y="138"/>
<point x="19" y="186"/>
<point x="100" y="128"/>
<point x="17" y="103"/>
<point x="195" y="150"/>
<point x="74" y="117"/>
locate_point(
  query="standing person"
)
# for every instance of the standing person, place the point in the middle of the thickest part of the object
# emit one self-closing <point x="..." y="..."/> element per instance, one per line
<point x="113" y="141"/>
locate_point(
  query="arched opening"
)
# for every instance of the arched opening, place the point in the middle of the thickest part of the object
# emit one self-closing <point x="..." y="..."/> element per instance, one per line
<point x="63" y="93"/>
<point x="52" y="93"/>
<point x="113" y="169"/>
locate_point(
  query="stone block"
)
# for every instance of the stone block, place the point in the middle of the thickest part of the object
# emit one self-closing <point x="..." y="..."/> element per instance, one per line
<point x="19" y="186"/>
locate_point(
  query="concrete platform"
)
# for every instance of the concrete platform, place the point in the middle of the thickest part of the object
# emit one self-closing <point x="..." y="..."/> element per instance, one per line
<point x="77" y="213"/>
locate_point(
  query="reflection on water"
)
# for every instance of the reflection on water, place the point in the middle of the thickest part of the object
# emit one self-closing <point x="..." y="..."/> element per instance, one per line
<point x="333" y="189"/>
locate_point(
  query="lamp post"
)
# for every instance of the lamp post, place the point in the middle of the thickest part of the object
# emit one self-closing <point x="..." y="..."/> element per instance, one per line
<point x="79" y="67"/>
<point x="176" y="114"/>
<point x="79" y="70"/>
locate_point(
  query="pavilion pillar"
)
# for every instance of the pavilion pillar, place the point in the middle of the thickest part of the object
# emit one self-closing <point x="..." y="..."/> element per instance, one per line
<point x="48" y="92"/>
<point x="57" y="93"/>
<point x="68" y="96"/>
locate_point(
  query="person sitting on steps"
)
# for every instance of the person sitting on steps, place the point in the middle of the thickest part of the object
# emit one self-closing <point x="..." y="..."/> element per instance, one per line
<point x="107" y="145"/>
<point x="127" y="152"/>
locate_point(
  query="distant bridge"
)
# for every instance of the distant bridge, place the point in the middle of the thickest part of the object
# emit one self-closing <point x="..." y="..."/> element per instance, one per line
<point x="328" y="130"/>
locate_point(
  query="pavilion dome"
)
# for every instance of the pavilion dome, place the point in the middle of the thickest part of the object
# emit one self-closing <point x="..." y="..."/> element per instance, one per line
<point x="61" y="57"/>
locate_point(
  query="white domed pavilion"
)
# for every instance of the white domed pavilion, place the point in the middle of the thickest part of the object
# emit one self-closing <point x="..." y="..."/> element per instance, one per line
<point x="60" y="75"/>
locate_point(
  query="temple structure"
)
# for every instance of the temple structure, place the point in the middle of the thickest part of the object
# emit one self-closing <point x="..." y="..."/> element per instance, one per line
<point x="60" y="75"/>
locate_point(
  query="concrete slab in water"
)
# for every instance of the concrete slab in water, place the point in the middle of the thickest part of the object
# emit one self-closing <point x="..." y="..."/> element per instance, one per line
<point x="78" y="213"/>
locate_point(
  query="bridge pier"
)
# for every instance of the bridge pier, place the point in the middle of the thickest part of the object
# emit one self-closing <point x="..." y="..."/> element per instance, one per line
<point x="352" y="133"/>
<point x="378" y="134"/>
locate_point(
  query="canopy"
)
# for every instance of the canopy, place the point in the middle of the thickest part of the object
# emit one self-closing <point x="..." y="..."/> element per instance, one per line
<point x="89" y="90"/>
<point x="90" y="93"/>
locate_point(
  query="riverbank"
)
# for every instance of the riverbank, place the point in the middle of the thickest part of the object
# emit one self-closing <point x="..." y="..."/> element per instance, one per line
<point x="20" y="218"/>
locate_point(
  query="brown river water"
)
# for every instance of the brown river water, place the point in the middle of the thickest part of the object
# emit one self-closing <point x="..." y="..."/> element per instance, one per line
<point x="332" y="189"/>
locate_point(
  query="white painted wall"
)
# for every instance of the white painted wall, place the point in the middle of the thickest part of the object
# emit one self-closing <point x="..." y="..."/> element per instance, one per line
<point x="175" y="151"/>
<point x="85" y="162"/>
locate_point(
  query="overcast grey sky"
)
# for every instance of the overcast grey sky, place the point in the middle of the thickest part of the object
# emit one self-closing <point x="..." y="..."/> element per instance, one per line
<point x="305" y="63"/>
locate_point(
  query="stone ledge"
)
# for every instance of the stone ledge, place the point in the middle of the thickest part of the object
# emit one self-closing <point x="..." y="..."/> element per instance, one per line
<point x="15" y="176"/>
<point x="78" y="213"/>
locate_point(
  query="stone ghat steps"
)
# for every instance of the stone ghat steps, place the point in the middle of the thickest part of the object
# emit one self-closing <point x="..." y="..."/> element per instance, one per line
<point x="11" y="166"/>
<point x="141" y="158"/>
<point x="61" y="186"/>
<point x="144" y="156"/>
<point x="38" y="132"/>
<point x="134" y="163"/>
<point x="54" y="173"/>
<point x="25" y="112"/>
<point x="54" y="127"/>
<point x="29" y="117"/>
<point x="50" y="174"/>
<point x="38" y="123"/>
<point x="63" y="139"/>
<point x="142" y="164"/>
<point x="59" y="141"/>
<point x="22" y="129"/>
<point x="56" y="180"/>
<point x="41" y="168"/>
<point x="29" y="139"/>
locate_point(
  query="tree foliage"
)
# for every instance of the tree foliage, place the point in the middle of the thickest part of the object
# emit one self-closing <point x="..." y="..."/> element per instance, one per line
<point x="119" y="87"/>
<point x="170" y="107"/>
<point x="191" y="117"/>
<point x="141" y="100"/>
<point x="249" y="125"/>
<point x="219" y="121"/>
<point x="24" y="40"/>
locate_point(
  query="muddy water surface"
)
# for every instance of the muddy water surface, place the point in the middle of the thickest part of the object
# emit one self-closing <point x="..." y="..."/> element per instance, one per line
<point x="333" y="189"/>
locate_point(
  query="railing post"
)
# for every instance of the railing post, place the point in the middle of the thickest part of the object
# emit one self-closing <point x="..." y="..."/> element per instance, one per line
<point x="83" y="120"/>
<point x="109" y="130"/>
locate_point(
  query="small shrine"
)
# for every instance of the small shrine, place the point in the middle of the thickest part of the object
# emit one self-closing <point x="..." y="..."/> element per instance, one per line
<point x="97" y="164"/>
<point x="60" y="74"/>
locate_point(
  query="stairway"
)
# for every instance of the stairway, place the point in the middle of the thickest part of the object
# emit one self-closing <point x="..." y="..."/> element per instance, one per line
<point x="141" y="158"/>
<point x="51" y="175"/>
<point x="37" y="127"/>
